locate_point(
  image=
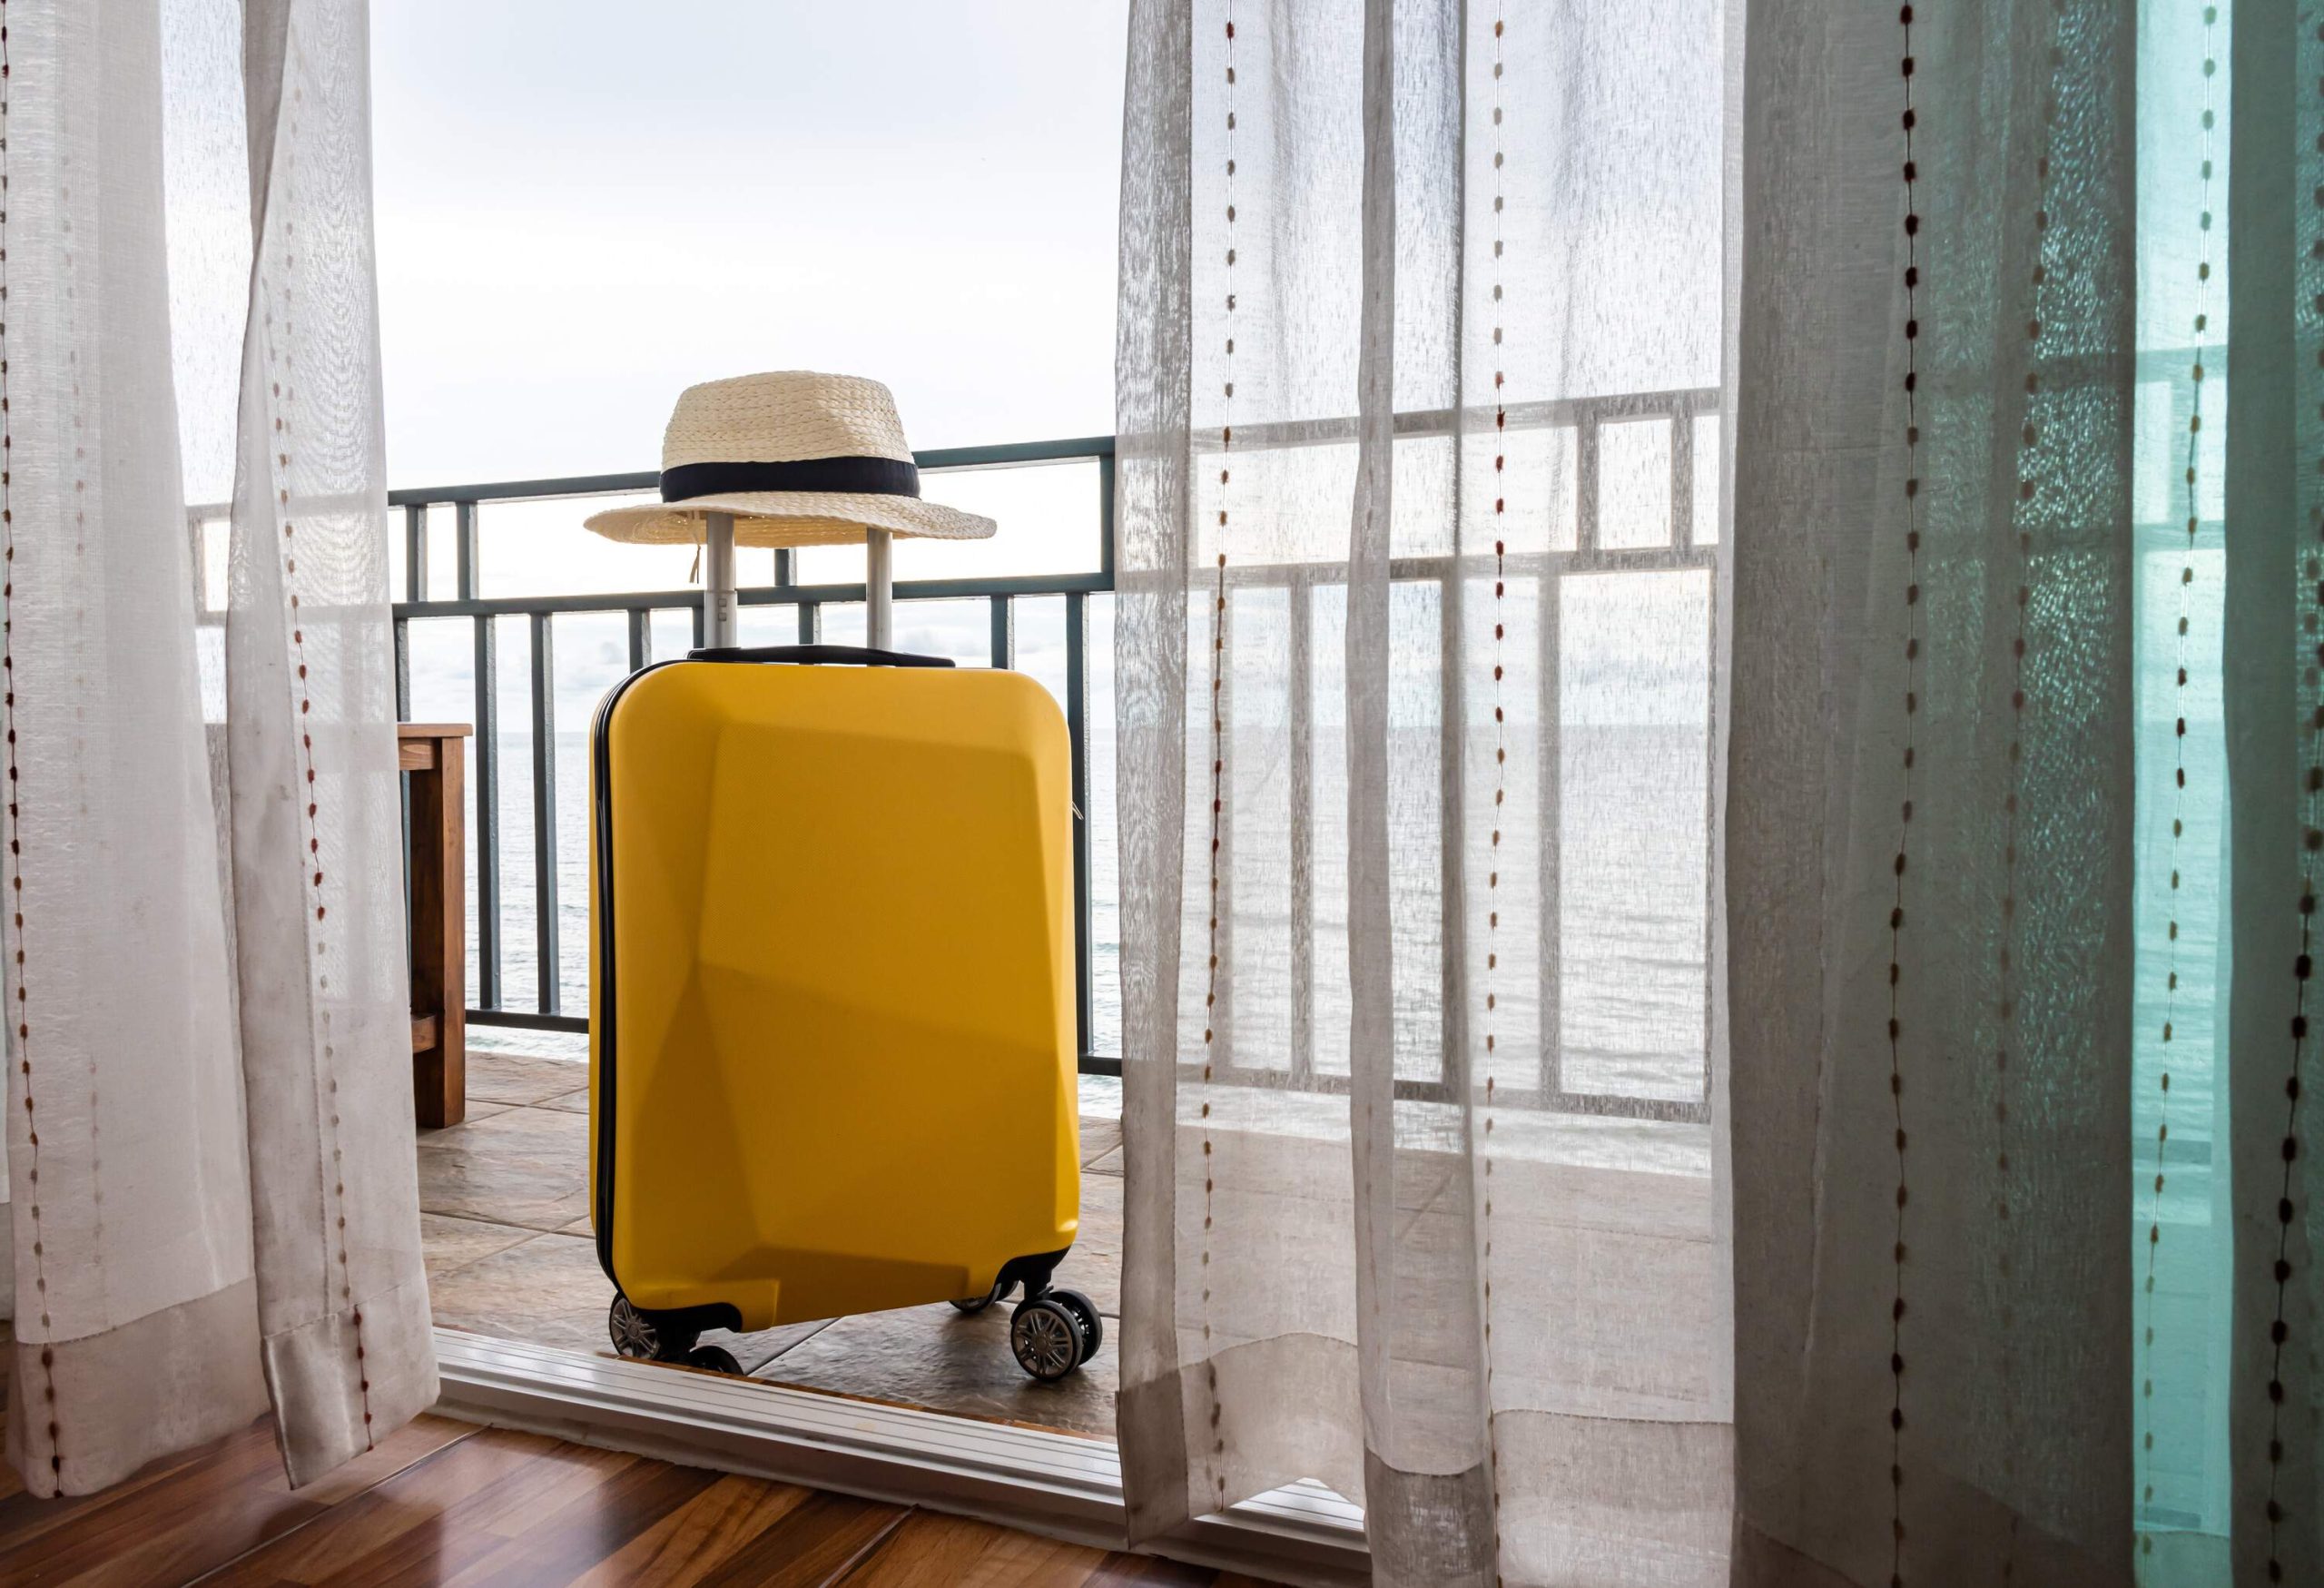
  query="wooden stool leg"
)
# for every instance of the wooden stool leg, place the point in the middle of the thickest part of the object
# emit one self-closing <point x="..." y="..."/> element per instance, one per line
<point x="440" y="994"/>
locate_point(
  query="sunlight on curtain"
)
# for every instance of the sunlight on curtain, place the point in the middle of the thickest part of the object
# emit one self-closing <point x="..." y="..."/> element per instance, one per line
<point x="2180" y="1212"/>
<point x="210" y="1110"/>
<point x="135" y="1332"/>
<point x="1427" y="625"/>
<point x="313" y="790"/>
<point x="1420" y="640"/>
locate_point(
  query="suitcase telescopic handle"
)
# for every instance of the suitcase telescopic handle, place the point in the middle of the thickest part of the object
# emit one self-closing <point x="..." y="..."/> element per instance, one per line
<point x="859" y="656"/>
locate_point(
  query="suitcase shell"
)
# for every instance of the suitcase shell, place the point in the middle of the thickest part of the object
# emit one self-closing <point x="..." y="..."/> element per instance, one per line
<point x="833" y="1035"/>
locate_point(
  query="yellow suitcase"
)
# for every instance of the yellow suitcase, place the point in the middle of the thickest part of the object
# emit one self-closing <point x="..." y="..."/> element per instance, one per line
<point x="831" y="1014"/>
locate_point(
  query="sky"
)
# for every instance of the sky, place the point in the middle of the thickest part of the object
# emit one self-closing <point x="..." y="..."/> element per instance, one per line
<point x="582" y="208"/>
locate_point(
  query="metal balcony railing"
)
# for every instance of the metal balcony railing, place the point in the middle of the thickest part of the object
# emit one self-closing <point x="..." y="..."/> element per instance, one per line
<point x="1583" y="550"/>
<point x="638" y="608"/>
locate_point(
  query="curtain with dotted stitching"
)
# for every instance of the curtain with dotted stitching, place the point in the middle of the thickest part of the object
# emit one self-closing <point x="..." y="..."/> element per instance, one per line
<point x="1936" y="823"/>
<point x="1419" y="685"/>
<point x="2272" y="657"/>
<point x="1423" y="368"/>
<point x="212" y="1191"/>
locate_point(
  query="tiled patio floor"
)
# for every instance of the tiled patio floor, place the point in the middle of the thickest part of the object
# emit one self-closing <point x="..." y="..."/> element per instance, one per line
<point x="503" y="1201"/>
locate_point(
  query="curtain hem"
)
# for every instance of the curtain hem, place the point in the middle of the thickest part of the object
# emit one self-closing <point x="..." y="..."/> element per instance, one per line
<point x="1429" y="1527"/>
<point x="1762" y="1560"/>
<point x="163" y="1384"/>
<point x="323" y="1419"/>
<point x="1315" y="1436"/>
<point x="1150" y="1422"/>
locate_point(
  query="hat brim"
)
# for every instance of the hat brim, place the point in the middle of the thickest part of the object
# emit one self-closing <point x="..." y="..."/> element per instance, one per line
<point x="789" y="518"/>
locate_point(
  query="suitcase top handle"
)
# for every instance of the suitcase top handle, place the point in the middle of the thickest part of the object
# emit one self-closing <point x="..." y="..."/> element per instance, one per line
<point x="861" y="656"/>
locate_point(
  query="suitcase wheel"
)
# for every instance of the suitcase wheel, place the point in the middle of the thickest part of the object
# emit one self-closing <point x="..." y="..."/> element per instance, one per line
<point x="716" y="1358"/>
<point x="1085" y="1313"/>
<point x="1048" y="1337"/>
<point x="634" y="1333"/>
<point x="641" y="1336"/>
<point x="973" y="1304"/>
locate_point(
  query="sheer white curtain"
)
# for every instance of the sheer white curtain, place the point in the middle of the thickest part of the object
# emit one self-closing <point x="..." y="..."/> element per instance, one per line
<point x="2273" y="662"/>
<point x="1421" y="563"/>
<point x="2024" y="800"/>
<point x="209" y="1138"/>
<point x="2026" y="756"/>
<point x="1931" y="794"/>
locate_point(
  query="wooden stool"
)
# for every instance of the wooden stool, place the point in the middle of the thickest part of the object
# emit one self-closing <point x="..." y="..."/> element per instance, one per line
<point x="432" y="753"/>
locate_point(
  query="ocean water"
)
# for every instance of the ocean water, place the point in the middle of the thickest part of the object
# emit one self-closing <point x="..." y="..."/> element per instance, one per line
<point x="1631" y="871"/>
<point x="1622" y="978"/>
<point x="1620" y="974"/>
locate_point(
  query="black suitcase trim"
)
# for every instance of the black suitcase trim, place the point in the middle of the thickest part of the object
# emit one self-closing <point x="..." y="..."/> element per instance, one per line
<point x="601" y="794"/>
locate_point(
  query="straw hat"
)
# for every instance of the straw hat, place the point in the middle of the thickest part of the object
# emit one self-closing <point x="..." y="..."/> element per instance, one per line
<point x="798" y="458"/>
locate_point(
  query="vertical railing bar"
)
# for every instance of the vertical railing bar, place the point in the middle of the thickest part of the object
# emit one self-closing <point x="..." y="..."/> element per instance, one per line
<point x="1302" y="593"/>
<point x="1549" y="838"/>
<point x="1221" y="1015"/>
<point x="1585" y="482"/>
<point x="1714" y="840"/>
<point x="810" y="621"/>
<point x="786" y="575"/>
<point x="544" y="704"/>
<point x="1452" y="782"/>
<point x="402" y="629"/>
<point x="415" y="552"/>
<point x="641" y="620"/>
<point x="1077" y="667"/>
<point x="1077" y="729"/>
<point x="699" y="627"/>
<point x="1682" y="480"/>
<point x="467" y="555"/>
<point x="488" y="816"/>
<point x="399" y="630"/>
<point x="1106" y="517"/>
<point x="487" y="677"/>
<point x="1004" y="632"/>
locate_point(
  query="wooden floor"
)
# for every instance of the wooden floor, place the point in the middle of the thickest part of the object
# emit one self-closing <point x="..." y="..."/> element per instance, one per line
<point x="446" y="1503"/>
